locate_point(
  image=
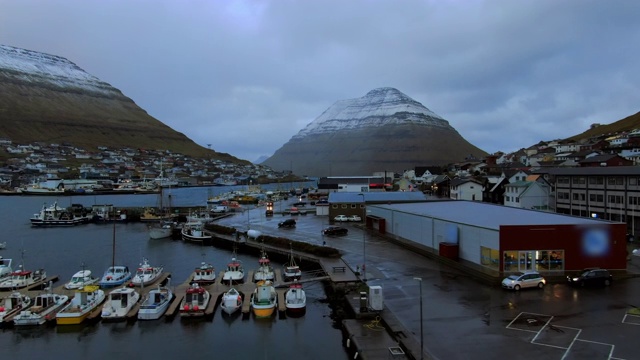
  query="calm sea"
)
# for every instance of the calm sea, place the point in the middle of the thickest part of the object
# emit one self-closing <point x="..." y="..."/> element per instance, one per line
<point x="63" y="251"/>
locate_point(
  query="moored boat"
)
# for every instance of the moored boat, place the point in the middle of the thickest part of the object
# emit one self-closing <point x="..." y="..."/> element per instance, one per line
<point x="119" y="303"/>
<point x="83" y="302"/>
<point x="204" y="274"/>
<point x="23" y="278"/>
<point x="13" y="304"/>
<point x="5" y="268"/>
<point x="231" y="301"/>
<point x="161" y="230"/>
<point x="155" y="303"/>
<point x="195" y="301"/>
<point x="115" y="276"/>
<point x="234" y="272"/>
<point x="295" y="300"/>
<point x="146" y="274"/>
<point x="264" y="299"/>
<point x="265" y="270"/>
<point x="44" y="308"/>
<point x="80" y="279"/>
<point x="291" y="269"/>
<point x="55" y="215"/>
<point x="194" y="231"/>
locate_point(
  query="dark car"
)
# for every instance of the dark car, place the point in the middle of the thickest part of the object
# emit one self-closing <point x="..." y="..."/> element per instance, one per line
<point x="591" y="277"/>
<point x="335" y="230"/>
<point x="300" y="204"/>
<point x="289" y="223"/>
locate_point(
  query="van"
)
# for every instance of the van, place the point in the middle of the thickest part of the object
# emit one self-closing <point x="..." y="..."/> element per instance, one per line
<point x="220" y="209"/>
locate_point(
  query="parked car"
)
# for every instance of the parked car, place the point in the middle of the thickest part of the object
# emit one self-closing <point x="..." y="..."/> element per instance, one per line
<point x="300" y="204"/>
<point x="527" y="279"/>
<point x="294" y="211"/>
<point x="354" y="218"/>
<point x="341" y="218"/>
<point x="289" y="223"/>
<point x="335" y="230"/>
<point x="591" y="277"/>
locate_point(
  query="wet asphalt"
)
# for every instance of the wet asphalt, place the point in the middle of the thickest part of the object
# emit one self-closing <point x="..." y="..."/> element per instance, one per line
<point x="466" y="319"/>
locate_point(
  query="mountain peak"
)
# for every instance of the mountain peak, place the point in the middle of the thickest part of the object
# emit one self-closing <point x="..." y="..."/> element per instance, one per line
<point x="381" y="106"/>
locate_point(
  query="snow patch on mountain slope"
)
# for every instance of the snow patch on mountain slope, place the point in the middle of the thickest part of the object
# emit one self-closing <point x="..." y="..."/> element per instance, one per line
<point x="383" y="106"/>
<point x="33" y="66"/>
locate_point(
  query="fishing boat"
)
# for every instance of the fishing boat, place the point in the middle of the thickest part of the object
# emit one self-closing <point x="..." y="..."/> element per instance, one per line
<point x="22" y="278"/>
<point x="119" y="302"/>
<point x="12" y="305"/>
<point x="231" y="301"/>
<point x="146" y="274"/>
<point x="44" y="309"/>
<point x="55" y="215"/>
<point x="194" y="231"/>
<point x="84" y="301"/>
<point x="265" y="270"/>
<point x="115" y="275"/>
<point x="80" y="279"/>
<point x="264" y="299"/>
<point x="291" y="269"/>
<point x="155" y="303"/>
<point x="205" y="274"/>
<point x="195" y="301"/>
<point x="295" y="300"/>
<point x="3" y="245"/>
<point x="234" y="272"/>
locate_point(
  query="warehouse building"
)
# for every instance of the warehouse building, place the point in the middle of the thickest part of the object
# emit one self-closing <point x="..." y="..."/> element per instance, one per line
<point x="502" y="238"/>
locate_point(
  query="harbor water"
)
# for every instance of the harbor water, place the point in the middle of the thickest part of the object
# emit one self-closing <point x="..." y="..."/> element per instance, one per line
<point x="64" y="251"/>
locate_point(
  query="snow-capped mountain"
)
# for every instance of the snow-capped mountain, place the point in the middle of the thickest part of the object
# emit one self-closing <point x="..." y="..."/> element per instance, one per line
<point x="33" y="66"/>
<point x="383" y="106"/>
<point x="383" y="130"/>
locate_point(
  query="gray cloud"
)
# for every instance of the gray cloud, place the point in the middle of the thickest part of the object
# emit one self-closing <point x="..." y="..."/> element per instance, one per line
<point x="245" y="76"/>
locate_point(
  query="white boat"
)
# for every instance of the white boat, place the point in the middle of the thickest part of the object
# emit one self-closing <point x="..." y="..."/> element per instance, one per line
<point x="55" y="215"/>
<point x="80" y="279"/>
<point x="234" y="272"/>
<point x="13" y="304"/>
<point x="264" y="299"/>
<point x="295" y="300"/>
<point x="84" y="301"/>
<point x="195" y="301"/>
<point x="155" y="303"/>
<point x="44" y="309"/>
<point x="22" y="278"/>
<point x="3" y="245"/>
<point x="161" y="229"/>
<point x="265" y="270"/>
<point x="291" y="269"/>
<point x="194" y="231"/>
<point x="231" y="301"/>
<point x="204" y="274"/>
<point x="146" y="274"/>
<point x="119" y="302"/>
<point x="5" y="268"/>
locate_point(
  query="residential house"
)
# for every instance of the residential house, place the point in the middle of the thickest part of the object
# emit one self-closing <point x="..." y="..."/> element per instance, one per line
<point x="466" y="189"/>
<point x="605" y="160"/>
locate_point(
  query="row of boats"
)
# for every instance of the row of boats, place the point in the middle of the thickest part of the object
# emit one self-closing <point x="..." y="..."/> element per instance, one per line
<point x="90" y="293"/>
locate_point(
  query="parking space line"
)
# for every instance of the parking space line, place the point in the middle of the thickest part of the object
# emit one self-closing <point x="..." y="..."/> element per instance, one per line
<point x="624" y="319"/>
<point x="542" y="328"/>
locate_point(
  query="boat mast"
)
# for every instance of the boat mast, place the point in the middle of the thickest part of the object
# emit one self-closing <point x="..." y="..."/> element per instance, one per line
<point x="113" y="253"/>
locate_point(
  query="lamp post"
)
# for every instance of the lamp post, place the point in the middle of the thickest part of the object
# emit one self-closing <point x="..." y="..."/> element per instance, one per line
<point x="364" y="243"/>
<point x="421" y="336"/>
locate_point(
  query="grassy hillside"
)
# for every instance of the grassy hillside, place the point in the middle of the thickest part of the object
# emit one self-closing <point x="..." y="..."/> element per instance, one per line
<point x="627" y="124"/>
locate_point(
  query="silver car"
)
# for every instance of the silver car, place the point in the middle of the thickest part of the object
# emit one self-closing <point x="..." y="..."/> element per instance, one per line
<point x="527" y="279"/>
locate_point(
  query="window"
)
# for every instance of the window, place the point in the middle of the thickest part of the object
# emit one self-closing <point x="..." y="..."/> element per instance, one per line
<point x="344" y="206"/>
<point x="596" y="180"/>
<point x="334" y="206"/>
<point x="633" y="181"/>
<point x="563" y="180"/>
<point x="353" y="206"/>
<point x="615" y="180"/>
<point x="578" y="180"/>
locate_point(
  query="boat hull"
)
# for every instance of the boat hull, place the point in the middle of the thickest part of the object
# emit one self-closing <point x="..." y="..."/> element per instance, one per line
<point x="263" y="312"/>
<point x="293" y="311"/>
<point x="71" y="319"/>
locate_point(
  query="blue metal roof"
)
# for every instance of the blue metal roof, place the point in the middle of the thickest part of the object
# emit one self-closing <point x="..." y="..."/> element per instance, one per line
<point x="376" y="196"/>
<point x="487" y="215"/>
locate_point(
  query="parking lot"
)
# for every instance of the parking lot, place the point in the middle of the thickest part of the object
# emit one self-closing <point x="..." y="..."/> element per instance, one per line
<point x="465" y="319"/>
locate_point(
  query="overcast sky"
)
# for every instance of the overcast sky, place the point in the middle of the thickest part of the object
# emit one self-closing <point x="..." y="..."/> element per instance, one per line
<point x="245" y="76"/>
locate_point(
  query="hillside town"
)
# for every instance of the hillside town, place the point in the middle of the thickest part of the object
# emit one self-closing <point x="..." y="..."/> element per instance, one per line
<point x="29" y="164"/>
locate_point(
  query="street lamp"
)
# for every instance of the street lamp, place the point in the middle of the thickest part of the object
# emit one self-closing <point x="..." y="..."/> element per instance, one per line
<point x="364" y="246"/>
<point x="421" y="336"/>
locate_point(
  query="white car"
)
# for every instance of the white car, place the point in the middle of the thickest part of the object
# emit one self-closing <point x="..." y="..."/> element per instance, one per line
<point x="354" y="218"/>
<point x="341" y="218"/>
<point x="524" y="280"/>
